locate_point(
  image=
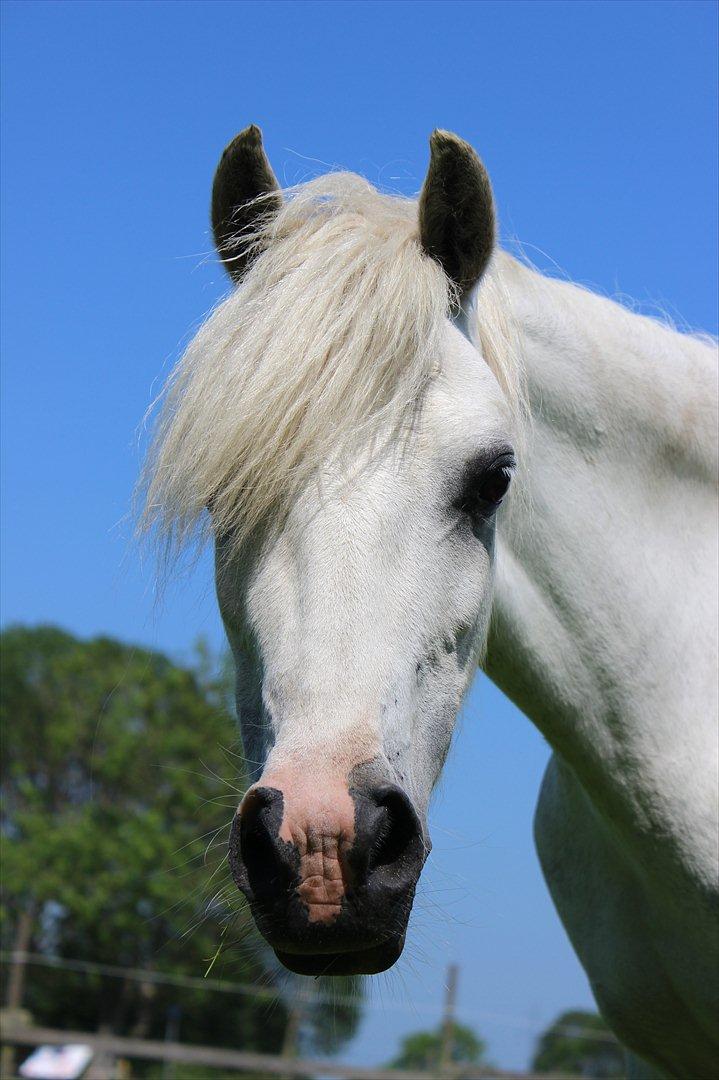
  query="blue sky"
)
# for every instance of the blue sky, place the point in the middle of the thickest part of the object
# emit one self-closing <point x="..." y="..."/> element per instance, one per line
<point x="597" y="122"/>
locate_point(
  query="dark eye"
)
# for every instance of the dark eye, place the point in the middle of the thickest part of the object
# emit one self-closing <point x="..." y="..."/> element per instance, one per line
<point x="484" y="488"/>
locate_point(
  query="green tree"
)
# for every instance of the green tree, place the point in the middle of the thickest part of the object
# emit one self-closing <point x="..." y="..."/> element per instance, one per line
<point x="422" y="1050"/>
<point x="114" y="823"/>
<point x="579" y="1043"/>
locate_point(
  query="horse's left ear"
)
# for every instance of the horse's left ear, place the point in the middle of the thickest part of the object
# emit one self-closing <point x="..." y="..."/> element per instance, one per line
<point x="245" y="191"/>
<point x="456" y="210"/>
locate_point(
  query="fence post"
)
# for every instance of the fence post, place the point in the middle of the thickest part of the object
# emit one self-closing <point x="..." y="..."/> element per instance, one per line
<point x="290" y="1043"/>
<point x="16" y="978"/>
<point x="450" y="997"/>
<point x="172" y="1035"/>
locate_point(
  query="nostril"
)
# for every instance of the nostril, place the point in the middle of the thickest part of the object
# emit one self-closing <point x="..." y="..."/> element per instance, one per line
<point x="398" y="835"/>
<point x="260" y="821"/>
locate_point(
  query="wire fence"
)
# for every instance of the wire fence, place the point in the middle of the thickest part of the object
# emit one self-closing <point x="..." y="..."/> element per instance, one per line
<point x="293" y="994"/>
<point x="262" y="1064"/>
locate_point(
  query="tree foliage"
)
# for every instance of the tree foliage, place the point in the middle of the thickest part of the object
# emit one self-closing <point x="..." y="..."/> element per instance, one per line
<point x="422" y="1050"/>
<point x="579" y="1043"/>
<point x="114" y="825"/>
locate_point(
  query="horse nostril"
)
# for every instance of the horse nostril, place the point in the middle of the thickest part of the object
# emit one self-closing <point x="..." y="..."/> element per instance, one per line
<point x="397" y="841"/>
<point x="264" y="862"/>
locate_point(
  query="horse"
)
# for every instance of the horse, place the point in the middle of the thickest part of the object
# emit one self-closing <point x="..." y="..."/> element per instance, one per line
<point x="415" y="455"/>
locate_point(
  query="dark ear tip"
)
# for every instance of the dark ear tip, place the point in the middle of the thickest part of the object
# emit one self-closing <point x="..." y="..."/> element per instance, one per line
<point x="251" y="134"/>
<point x="440" y="136"/>
<point x="250" y="138"/>
<point x="441" y="141"/>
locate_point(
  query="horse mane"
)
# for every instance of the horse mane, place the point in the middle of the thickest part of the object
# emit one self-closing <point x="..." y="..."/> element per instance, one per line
<point x="326" y="346"/>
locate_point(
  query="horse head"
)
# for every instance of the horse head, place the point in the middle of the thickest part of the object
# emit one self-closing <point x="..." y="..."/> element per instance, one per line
<point x="337" y="417"/>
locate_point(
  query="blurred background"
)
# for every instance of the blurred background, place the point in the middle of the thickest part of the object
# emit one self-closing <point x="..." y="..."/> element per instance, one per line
<point x="122" y="766"/>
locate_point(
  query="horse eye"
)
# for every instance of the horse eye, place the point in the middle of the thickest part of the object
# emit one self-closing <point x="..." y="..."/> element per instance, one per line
<point x="483" y="492"/>
<point x="494" y="486"/>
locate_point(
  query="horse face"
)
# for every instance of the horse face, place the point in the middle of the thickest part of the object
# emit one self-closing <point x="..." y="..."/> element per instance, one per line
<point x="356" y="629"/>
<point x="352" y="448"/>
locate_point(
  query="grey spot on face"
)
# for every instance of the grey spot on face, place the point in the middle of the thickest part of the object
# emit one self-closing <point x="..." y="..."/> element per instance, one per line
<point x="464" y="644"/>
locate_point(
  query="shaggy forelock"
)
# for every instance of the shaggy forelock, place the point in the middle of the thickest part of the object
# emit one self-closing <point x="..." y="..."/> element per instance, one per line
<point x="326" y="346"/>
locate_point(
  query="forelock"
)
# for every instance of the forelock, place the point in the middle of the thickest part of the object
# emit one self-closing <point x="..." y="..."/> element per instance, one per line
<point x="326" y="346"/>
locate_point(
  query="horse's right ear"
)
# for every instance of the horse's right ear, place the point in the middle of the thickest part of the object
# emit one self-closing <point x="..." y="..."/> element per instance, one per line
<point x="245" y="191"/>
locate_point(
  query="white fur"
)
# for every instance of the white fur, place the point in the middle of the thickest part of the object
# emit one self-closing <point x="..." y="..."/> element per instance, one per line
<point x="604" y="633"/>
<point x="357" y="600"/>
<point x="359" y="625"/>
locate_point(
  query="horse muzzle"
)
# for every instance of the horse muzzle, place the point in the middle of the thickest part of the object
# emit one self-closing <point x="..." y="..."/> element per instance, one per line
<point x="329" y="871"/>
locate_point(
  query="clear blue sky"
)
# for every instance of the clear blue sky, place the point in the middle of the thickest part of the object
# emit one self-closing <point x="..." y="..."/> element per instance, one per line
<point x="597" y="122"/>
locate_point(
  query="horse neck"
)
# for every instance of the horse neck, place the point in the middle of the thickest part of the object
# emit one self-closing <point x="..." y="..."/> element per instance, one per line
<point x="604" y="595"/>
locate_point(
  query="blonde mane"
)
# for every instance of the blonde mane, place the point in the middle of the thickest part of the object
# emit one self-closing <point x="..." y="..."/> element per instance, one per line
<point x="327" y="345"/>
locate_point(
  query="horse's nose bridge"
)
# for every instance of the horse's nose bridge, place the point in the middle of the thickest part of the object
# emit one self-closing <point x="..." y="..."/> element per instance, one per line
<point x="348" y="561"/>
<point x="328" y="607"/>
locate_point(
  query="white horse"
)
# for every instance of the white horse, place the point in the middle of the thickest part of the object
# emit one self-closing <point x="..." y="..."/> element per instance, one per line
<point x="351" y="416"/>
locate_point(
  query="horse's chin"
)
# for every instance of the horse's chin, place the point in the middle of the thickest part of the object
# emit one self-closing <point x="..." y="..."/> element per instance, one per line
<point x="359" y="962"/>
